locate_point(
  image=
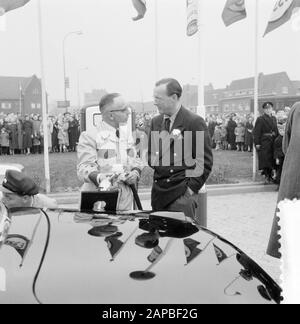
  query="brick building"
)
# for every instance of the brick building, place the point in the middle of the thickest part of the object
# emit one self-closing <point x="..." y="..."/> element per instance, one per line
<point x="20" y="95"/>
<point x="238" y="96"/>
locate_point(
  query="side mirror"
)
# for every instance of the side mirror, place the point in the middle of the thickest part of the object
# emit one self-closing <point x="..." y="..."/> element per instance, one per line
<point x="5" y="223"/>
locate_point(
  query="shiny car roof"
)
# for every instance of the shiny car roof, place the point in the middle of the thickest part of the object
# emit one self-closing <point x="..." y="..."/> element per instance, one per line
<point x="128" y="259"/>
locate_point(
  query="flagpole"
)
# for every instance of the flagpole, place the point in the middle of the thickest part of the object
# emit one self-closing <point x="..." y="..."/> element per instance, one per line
<point x="200" y="60"/>
<point x="156" y="40"/>
<point x="44" y="101"/>
<point x="256" y="81"/>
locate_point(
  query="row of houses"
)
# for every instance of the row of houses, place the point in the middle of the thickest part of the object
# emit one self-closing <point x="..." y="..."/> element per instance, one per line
<point x="20" y="95"/>
<point x="23" y="95"/>
<point x="238" y="96"/>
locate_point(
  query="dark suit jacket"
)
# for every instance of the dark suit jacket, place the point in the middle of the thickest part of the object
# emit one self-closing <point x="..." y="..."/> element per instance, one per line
<point x="171" y="182"/>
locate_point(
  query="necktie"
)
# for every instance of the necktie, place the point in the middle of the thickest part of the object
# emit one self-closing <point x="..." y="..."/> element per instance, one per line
<point x="167" y="124"/>
<point x="118" y="133"/>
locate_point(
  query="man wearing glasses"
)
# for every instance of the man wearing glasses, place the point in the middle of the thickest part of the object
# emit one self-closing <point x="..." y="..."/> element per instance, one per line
<point x="108" y="155"/>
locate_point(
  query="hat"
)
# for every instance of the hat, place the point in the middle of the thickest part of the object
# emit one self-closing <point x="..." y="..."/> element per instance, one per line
<point x="17" y="182"/>
<point x="267" y="105"/>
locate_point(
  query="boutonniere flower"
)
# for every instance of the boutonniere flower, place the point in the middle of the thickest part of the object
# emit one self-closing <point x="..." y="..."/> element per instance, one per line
<point x="177" y="133"/>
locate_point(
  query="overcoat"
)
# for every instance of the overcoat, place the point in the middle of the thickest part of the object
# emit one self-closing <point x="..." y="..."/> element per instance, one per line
<point x="13" y="136"/>
<point x="27" y="128"/>
<point x="231" y="126"/>
<point x="265" y="133"/>
<point x="249" y="134"/>
<point x="290" y="179"/>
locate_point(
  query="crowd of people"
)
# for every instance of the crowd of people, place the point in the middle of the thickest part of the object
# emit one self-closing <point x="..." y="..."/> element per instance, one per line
<point x="25" y="135"/>
<point x="235" y="131"/>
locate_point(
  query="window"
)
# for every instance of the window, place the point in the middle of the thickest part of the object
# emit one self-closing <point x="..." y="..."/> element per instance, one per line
<point x="35" y="91"/>
<point x="285" y="90"/>
<point x="38" y="106"/>
<point x="6" y="105"/>
<point x="33" y="106"/>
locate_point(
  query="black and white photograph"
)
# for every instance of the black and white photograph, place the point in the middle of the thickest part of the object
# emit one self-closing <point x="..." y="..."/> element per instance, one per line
<point x="149" y="154"/>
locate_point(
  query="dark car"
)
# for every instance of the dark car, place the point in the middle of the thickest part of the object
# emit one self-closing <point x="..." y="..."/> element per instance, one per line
<point x="138" y="258"/>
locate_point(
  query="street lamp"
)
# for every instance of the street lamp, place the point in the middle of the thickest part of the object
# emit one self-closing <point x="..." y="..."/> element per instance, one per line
<point x="78" y="84"/>
<point x="64" y="60"/>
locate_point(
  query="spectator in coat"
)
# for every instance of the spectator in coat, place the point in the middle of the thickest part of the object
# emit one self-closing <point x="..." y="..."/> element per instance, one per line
<point x="27" y="129"/>
<point x="265" y="132"/>
<point x="20" y="133"/>
<point x="240" y="136"/>
<point x="63" y="136"/>
<point x="218" y="137"/>
<point x="36" y="142"/>
<point x="278" y="153"/>
<point x="249" y="135"/>
<point x="73" y="133"/>
<point x="54" y="137"/>
<point x="231" y="126"/>
<point x="4" y="141"/>
<point x="13" y="135"/>
<point x="224" y="137"/>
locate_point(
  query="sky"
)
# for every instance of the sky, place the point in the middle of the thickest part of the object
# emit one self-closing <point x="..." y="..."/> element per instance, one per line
<point x="118" y="54"/>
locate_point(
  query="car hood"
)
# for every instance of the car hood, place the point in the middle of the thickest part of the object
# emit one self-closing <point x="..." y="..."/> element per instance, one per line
<point x="100" y="259"/>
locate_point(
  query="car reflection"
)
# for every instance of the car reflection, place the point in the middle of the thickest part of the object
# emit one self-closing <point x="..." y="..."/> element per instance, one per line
<point x="145" y="247"/>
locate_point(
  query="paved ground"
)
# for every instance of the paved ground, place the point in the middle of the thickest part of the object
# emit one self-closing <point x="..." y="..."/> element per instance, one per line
<point x="245" y="220"/>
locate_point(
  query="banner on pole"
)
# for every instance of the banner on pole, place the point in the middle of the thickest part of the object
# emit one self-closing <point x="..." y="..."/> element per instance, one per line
<point x="192" y="17"/>
<point x="8" y="5"/>
<point x="140" y="7"/>
<point x="234" y="11"/>
<point x="282" y="13"/>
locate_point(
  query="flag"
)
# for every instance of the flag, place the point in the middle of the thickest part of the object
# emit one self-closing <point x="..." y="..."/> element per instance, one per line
<point x="191" y="249"/>
<point x="18" y="242"/>
<point x="234" y="11"/>
<point x="282" y="13"/>
<point x="140" y="6"/>
<point x="114" y="244"/>
<point x="8" y="5"/>
<point x="221" y="256"/>
<point x="192" y="17"/>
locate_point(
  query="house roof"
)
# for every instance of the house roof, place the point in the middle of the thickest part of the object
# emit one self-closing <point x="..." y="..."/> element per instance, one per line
<point x="10" y="87"/>
<point x="267" y="83"/>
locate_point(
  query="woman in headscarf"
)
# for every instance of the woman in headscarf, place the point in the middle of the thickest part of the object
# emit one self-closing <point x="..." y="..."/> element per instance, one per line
<point x="290" y="179"/>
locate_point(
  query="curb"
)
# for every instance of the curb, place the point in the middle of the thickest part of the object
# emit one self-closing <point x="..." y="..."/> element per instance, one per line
<point x="212" y="190"/>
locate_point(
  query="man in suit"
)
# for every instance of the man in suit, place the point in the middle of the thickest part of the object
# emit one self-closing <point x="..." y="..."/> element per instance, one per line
<point x="183" y="160"/>
<point x="265" y="133"/>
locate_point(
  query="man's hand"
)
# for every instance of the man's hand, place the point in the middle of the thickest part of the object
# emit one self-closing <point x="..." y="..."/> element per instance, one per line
<point x="258" y="147"/>
<point x="132" y="177"/>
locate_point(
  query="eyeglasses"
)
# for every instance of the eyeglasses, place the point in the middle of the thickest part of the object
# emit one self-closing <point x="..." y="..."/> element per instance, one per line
<point x="123" y="110"/>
